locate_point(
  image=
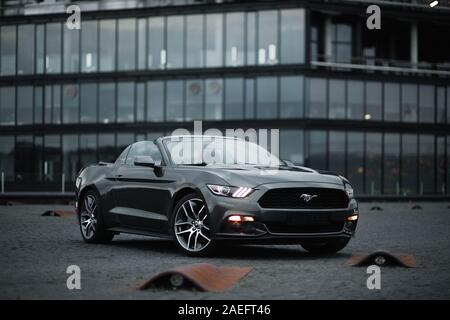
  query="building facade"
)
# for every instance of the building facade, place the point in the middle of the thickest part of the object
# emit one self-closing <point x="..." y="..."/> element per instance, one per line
<point x="372" y="105"/>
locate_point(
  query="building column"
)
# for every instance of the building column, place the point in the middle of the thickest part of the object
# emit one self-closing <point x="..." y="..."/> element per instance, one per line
<point x="414" y="49"/>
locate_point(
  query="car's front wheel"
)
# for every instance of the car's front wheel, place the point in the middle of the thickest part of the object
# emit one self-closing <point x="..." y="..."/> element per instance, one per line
<point x="328" y="246"/>
<point x="190" y="226"/>
<point x="91" y="222"/>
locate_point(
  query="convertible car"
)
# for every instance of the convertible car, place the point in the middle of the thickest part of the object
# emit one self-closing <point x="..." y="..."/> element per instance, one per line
<point x="204" y="190"/>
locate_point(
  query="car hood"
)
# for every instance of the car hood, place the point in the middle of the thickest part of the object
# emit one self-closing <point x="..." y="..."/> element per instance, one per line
<point x="253" y="176"/>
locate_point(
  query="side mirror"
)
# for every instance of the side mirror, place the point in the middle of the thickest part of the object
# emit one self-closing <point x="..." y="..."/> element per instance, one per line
<point x="144" y="161"/>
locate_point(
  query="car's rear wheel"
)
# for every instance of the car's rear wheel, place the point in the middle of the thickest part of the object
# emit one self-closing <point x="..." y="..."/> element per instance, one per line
<point x="328" y="246"/>
<point x="91" y="223"/>
<point x="190" y="226"/>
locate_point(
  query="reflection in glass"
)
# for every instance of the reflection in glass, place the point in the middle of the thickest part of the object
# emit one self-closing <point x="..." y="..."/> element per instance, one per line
<point x="426" y="103"/>
<point x="70" y="103"/>
<point x="234" y="98"/>
<point x="316" y="101"/>
<point x="40" y="55"/>
<point x="25" y="49"/>
<point x="88" y="103"/>
<point x="156" y="51"/>
<point x="214" y="40"/>
<point x="234" y="52"/>
<point x="291" y="146"/>
<point x="194" y="99"/>
<point x="53" y="48"/>
<point x="409" y="102"/>
<point x="373" y="101"/>
<point x="71" y="50"/>
<point x="317" y="150"/>
<point x="267" y="98"/>
<point x="355" y="160"/>
<point x="426" y="164"/>
<point x="355" y="100"/>
<point x="174" y="104"/>
<point x="7" y="157"/>
<point x="213" y="99"/>
<point x="292" y="36"/>
<point x="155" y="101"/>
<point x="267" y="37"/>
<point x="337" y="99"/>
<point x="7" y="105"/>
<point x="391" y="101"/>
<point x="140" y="101"/>
<point x="70" y="156"/>
<point x="126" y="50"/>
<point x="141" y="43"/>
<point x="291" y="97"/>
<point x="56" y="110"/>
<point x="175" y="42"/>
<point x="107" y="44"/>
<point x="337" y="150"/>
<point x="125" y="102"/>
<point x="107" y="102"/>
<point x="8" y="50"/>
<point x="194" y="41"/>
<point x="391" y="163"/>
<point x="38" y="105"/>
<point x="249" y="98"/>
<point x="409" y="164"/>
<point x="251" y="39"/>
<point x="24" y="105"/>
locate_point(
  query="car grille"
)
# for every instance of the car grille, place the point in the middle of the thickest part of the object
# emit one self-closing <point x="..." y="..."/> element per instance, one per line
<point x="278" y="227"/>
<point x="290" y="198"/>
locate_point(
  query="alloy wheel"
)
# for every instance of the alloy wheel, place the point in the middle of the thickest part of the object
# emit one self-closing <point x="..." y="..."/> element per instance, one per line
<point x="88" y="218"/>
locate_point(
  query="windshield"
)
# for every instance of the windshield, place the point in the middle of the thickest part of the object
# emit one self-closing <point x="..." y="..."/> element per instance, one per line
<point x="217" y="150"/>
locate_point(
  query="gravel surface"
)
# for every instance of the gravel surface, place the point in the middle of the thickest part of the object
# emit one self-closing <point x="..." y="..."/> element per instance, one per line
<point x="36" y="250"/>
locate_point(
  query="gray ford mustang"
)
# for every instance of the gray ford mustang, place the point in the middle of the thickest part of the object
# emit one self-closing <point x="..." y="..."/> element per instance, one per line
<point x="203" y="190"/>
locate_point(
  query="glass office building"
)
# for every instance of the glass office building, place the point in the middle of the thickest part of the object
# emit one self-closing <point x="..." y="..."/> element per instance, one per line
<point x="372" y="105"/>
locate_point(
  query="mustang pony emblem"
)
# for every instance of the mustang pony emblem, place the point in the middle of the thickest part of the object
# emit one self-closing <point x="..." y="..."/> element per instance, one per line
<point x="308" y="197"/>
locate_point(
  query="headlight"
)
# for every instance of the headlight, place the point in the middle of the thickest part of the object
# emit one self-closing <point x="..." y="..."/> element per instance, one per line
<point x="349" y="190"/>
<point x="227" y="191"/>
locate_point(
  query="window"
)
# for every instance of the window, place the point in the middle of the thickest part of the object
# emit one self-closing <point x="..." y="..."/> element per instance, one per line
<point x="141" y="44"/>
<point x="23" y="153"/>
<point x="426" y="164"/>
<point x="107" y="102"/>
<point x="440" y="160"/>
<point x="355" y="100"/>
<point x="7" y="105"/>
<point x="426" y="103"/>
<point x="391" y="102"/>
<point x="213" y="99"/>
<point x="40" y="55"/>
<point x="155" y="101"/>
<point x="88" y="149"/>
<point x="107" y="45"/>
<point x="106" y="147"/>
<point x="409" y="103"/>
<point x="267" y="37"/>
<point x="123" y="155"/>
<point x="291" y="146"/>
<point x="24" y="105"/>
<point x="143" y="148"/>
<point x="251" y="38"/>
<point x="126" y="49"/>
<point x="249" y="98"/>
<point x="52" y="158"/>
<point x="409" y="164"/>
<point x="342" y="42"/>
<point x="71" y="50"/>
<point x="174" y="105"/>
<point x="194" y="41"/>
<point x="373" y="101"/>
<point x="25" y="49"/>
<point x="156" y="53"/>
<point x="140" y="101"/>
<point x="214" y="40"/>
<point x="355" y="160"/>
<point x="337" y="99"/>
<point x="8" y="50"/>
<point x="316" y="90"/>
<point x="234" y="52"/>
<point x="125" y="102"/>
<point x="374" y="163"/>
<point x="391" y="163"/>
<point x="7" y="157"/>
<point x="70" y="157"/>
<point x="448" y="164"/>
<point x="337" y="151"/>
<point x="267" y="98"/>
<point x="234" y="98"/>
<point x="317" y="150"/>
<point x="175" y="42"/>
<point x="291" y="97"/>
<point x="70" y="103"/>
<point x="194" y="99"/>
<point x="56" y="111"/>
<point x="38" y="105"/>
<point x="53" y="48"/>
<point x="440" y="105"/>
<point x="292" y="36"/>
<point x="88" y="103"/>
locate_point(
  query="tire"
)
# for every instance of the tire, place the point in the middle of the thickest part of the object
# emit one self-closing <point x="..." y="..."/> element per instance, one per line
<point x="90" y="220"/>
<point x="329" y="246"/>
<point x="190" y="228"/>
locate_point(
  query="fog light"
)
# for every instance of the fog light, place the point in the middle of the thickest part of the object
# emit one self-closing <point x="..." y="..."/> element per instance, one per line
<point x="237" y="218"/>
<point x="352" y="218"/>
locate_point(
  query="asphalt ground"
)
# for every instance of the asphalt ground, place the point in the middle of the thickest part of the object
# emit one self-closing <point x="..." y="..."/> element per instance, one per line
<point x="36" y="251"/>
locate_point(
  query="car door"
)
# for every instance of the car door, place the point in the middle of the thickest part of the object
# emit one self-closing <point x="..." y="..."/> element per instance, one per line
<point x="142" y="194"/>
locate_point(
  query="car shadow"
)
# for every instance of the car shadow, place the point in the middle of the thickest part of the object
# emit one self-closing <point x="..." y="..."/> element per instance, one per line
<point x="230" y="251"/>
